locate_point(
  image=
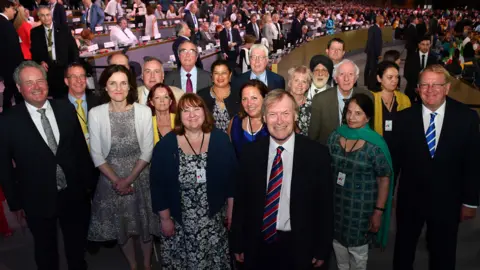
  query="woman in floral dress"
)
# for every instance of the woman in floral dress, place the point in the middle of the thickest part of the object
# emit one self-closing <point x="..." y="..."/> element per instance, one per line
<point x="192" y="175"/>
<point x="299" y="82"/>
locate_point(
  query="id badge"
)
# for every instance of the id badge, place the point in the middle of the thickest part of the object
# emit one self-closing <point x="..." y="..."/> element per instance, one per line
<point x="388" y="125"/>
<point x="201" y="176"/>
<point x="341" y="179"/>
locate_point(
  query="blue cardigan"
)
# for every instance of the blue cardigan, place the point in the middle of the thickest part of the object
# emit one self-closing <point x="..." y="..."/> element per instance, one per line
<point x="164" y="170"/>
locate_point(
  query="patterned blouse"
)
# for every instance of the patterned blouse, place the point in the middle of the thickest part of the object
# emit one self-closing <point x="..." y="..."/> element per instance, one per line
<point x="220" y="115"/>
<point x="304" y="117"/>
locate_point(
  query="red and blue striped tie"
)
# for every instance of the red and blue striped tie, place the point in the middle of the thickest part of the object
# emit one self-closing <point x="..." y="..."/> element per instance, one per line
<point x="272" y="200"/>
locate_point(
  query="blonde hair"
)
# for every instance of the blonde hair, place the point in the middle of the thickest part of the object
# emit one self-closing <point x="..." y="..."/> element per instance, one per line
<point x="20" y="19"/>
<point x="439" y="69"/>
<point x="299" y="70"/>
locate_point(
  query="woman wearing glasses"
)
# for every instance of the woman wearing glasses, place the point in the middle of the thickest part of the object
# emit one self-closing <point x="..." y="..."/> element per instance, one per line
<point x="247" y="125"/>
<point x="121" y="145"/>
<point x="187" y="163"/>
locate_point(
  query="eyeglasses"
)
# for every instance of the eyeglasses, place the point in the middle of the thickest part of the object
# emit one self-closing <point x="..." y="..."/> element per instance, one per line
<point x="185" y="52"/>
<point x="77" y="77"/>
<point x="258" y="58"/>
<point x="434" y="86"/>
<point x="40" y="82"/>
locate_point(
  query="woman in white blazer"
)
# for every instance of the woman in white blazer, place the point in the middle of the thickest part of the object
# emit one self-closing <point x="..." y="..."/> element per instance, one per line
<point x="269" y="30"/>
<point x="121" y="145"/>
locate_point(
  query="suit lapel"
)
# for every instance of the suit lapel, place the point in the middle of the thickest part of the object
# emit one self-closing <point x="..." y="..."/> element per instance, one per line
<point x="263" y="166"/>
<point x="336" y="108"/>
<point x="419" y="129"/>
<point x="61" y="123"/>
<point x="447" y="127"/>
<point x="32" y="127"/>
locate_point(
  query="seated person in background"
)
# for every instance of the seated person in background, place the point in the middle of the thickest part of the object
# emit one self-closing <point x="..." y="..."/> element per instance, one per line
<point x="305" y="35"/>
<point x="85" y="40"/>
<point x="122" y="34"/>
<point x="171" y="13"/>
<point x="213" y="24"/>
<point x="114" y="10"/>
<point x="158" y="12"/>
<point x="218" y="29"/>
<point x="205" y="36"/>
<point x="453" y="66"/>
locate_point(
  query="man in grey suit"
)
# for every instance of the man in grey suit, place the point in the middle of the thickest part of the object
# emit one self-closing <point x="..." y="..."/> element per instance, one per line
<point x="327" y="106"/>
<point x="205" y="36"/>
<point x="189" y="78"/>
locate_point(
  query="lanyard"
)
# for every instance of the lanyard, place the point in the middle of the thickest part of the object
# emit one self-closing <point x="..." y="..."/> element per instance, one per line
<point x="345" y="152"/>
<point x="191" y="147"/>
<point x="391" y="103"/>
<point x="253" y="134"/>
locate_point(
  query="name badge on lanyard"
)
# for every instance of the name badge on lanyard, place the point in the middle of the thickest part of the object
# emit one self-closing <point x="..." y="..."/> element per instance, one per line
<point x="201" y="176"/>
<point x="341" y="179"/>
<point x="388" y="125"/>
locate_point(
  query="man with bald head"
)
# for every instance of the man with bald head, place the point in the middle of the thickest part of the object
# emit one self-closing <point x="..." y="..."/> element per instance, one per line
<point x="327" y="106"/>
<point x="118" y="59"/>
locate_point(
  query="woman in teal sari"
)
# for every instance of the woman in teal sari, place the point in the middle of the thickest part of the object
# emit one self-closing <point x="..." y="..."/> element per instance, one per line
<point x="362" y="171"/>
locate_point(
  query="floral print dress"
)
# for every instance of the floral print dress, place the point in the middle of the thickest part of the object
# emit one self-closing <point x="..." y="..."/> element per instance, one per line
<point x="304" y="117"/>
<point x="220" y="115"/>
<point x="201" y="242"/>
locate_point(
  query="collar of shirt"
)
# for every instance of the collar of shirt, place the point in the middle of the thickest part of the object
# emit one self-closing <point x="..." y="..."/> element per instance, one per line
<point x="426" y="115"/>
<point x="421" y="53"/>
<point x="33" y="111"/>
<point x="193" y="78"/>
<point x="73" y="99"/>
<point x="312" y="92"/>
<point x="184" y="37"/>
<point x="288" y="145"/>
<point x="341" y="103"/>
<point x="4" y="16"/>
<point x="183" y="73"/>
<point x="440" y="111"/>
<point x="48" y="28"/>
<point x="262" y="77"/>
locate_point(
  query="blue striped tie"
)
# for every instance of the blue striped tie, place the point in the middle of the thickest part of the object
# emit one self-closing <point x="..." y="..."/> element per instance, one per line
<point x="431" y="135"/>
<point x="272" y="200"/>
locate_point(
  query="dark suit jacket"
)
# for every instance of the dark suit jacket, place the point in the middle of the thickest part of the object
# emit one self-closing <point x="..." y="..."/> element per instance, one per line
<point x="235" y="37"/>
<point x="374" y="42"/>
<point x="204" y="40"/>
<point x="65" y="47"/>
<point x="274" y="81"/>
<point x="204" y="79"/>
<point x="191" y="24"/>
<point x="421" y="30"/>
<point x="324" y="119"/>
<point x="232" y="102"/>
<point x="10" y="51"/>
<point x="249" y="31"/>
<point x="59" y="16"/>
<point x="411" y="38"/>
<point x="311" y="202"/>
<point x="413" y="67"/>
<point x="437" y="187"/>
<point x="205" y="10"/>
<point x="296" y="31"/>
<point x="32" y="185"/>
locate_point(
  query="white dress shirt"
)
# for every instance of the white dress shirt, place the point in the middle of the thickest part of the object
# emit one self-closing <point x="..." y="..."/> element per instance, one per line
<point x="193" y="78"/>
<point x="54" y="54"/>
<point x="114" y="9"/>
<point x="123" y="37"/>
<point x="314" y="90"/>
<point x="283" y="215"/>
<point x="438" y="126"/>
<point x="341" y="103"/>
<point x="4" y="16"/>
<point x="36" y="118"/>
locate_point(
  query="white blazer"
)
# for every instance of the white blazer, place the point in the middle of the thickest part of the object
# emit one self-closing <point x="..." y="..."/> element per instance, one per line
<point x="101" y="137"/>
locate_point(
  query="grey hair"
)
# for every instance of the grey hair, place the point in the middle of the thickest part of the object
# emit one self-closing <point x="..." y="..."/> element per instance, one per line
<point x="345" y="61"/>
<point x="258" y="46"/>
<point x="299" y="70"/>
<point x="305" y="27"/>
<point x="275" y="96"/>
<point x="179" y="28"/>
<point x="25" y="64"/>
<point x="152" y="59"/>
<point x="185" y="42"/>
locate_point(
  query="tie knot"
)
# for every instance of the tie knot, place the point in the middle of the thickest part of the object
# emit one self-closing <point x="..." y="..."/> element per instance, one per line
<point x="280" y="150"/>
<point x="79" y="101"/>
<point x="41" y="111"/>
<point x="346" y="100"/>
<point x="432" y="115"/>
<point x="189" y="75"/>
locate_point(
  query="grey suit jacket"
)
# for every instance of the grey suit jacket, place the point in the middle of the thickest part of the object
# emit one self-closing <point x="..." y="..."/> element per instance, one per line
<point x="204" y="79"/>
<point x="204" y="40"/>
<point x="325" y="109"/>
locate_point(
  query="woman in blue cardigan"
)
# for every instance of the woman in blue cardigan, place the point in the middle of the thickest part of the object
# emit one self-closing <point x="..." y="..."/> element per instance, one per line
<point x="192" y="178"/>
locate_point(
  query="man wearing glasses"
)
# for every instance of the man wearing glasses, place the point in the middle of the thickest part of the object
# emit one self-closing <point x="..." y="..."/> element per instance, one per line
<point x="436" y="148"/>
<point x="54" y="48"/>
<point x="189" y="78"/>
<point x="258" y="62"/>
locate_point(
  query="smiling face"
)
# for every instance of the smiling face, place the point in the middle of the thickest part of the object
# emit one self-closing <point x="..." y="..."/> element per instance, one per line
<point x="389" y="80"/>
<point x="118" y="87"/>
<point x="221" y="76"/>
<point x="252" y="101"/>
<point x="33" y="86"/>
<point x="161" y="101"/>
<point x="192" y="117"/>
<point x="320" y="76"/>
<point x="335" y="52"/>
<point x="258" y="61"/>
<point x="433" y="89"/>
<point x="346" y="76"/>
<point x="152" y="74"/>
<point x="280" y="117"/>
<point x="76" y="81"/>
<point x="356" y="117"/>
<point x="299" y="84"/>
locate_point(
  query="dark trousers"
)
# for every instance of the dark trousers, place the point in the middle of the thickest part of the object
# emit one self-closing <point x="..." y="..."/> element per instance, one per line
<point x="369" y="75"/>
<point x="232" y="59"/>
<point x="73" y="224"/>
<point x="277" y="255"/>
<point x="441" y="240"/>
<point x="56" y="84"/>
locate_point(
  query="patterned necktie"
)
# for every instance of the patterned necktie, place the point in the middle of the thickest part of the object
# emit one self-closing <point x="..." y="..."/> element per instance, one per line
<point x="431" y="135"/>
<point x="189" y="83"/>
<point x="52" y="144"/>
<point x="272" y="200"/>
<point x="50" y="44"/>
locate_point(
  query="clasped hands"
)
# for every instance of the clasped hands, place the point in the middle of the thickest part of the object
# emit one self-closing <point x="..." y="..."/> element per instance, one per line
<point x="123" y="186"/>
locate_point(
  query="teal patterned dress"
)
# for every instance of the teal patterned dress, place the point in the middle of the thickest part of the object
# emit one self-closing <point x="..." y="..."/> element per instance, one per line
<point x="356" y="199"/>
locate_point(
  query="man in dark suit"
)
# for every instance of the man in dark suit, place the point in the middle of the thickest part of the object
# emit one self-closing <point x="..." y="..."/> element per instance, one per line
<point x="283" y="212"/>
<point x="188" y="77"/>
<point x="183" y="34"/>
<point x="258" y="62"/>
<point x="328" y="106"/>
<point x="230" y="41"/>
<point x="436" y="148"/>
<point x="296" y="28"/>
<point x="373" y="49"/>
<point x="411" y="36"/>
<point x="59" y="15"/>
<point x="206" y="9"/>
<point x="10" y="51"/>
<point x="278" y="41"/>
<point x="52" y="173"/>
<point x="415" y="63"/>
<point x="253" y="29"/>
<point x="191" y="20"/>
<point x="421" y="27"/>
<point x="53" y="46"/>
